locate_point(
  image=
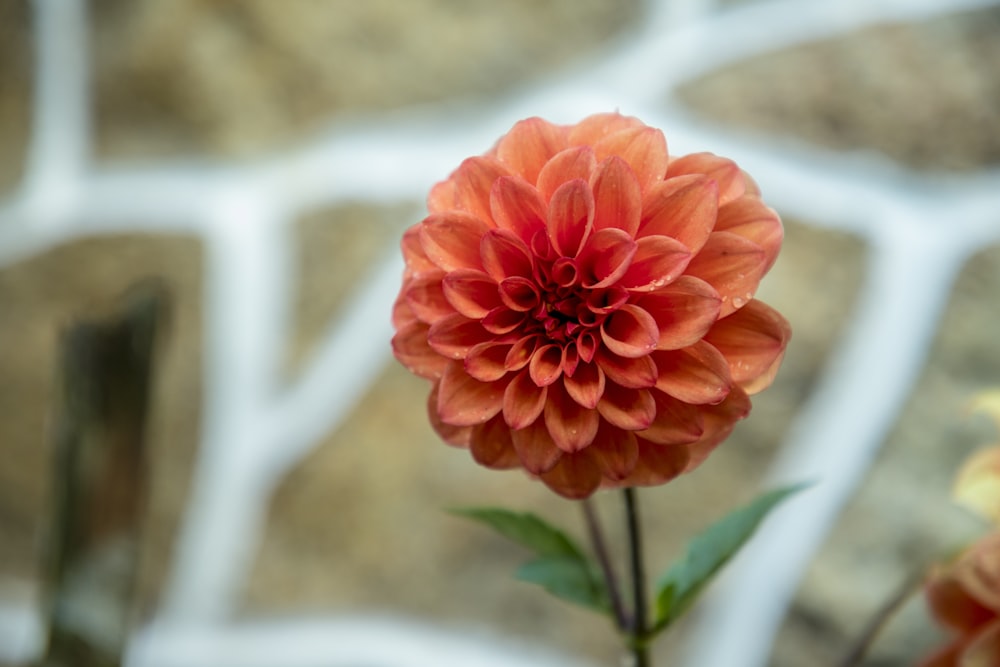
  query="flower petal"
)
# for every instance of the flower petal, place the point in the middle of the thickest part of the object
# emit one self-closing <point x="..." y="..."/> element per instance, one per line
<point x="491" y="445"/>
<point x="719" y="422"/>
<point x="750" y="218"/>
<point x="521" y="352"/>
<point x="451" y="240"/>
<point x="643" y="148"/>
<point x="635" y="373"/>
<point x="442" y="197"/>
<point x="570" y="164"/>
<point x="753" y="340"/>
<point x="984" y="649"/>
<point x="517" y="206"/>
<point x="697" y="374"/>
<point x="726" y="174"/>
<point x="519" y="293"/>
<point x="502" y="320"/>
<point x="457" y="436"/>
<point x="733" y="266"/>
<point x="617" y="197"/>
<point x="586" y="385"/>
<point x="683" y="208"/>
<point x="416" y="259"/>
<point x="464" y="401"/>
<point x="571" y="426"/>
<point x="529" y="145"/>
<point x="575" y="476"/>
<point x="684" y="311"/>
<point x="535" y="448"/>
<point x="630" y="409"/>
<point x="472" y="293"/>
<point x="658" y="464"/>
<point x="474" y="181"/>
<point x="593" y="128"/>
<point x="546" y="365"/>
<point x="676" y="422"/>
<point x="605" y="257"/>
<point x="950" y="604"/>
<point x="570" y="216"/>
<point x="504" y="255"/>
<point x="426" y="299"/>
<point x="485" y="361"/>
<point x="630" y="332"/>
<point x="615" y="451"/>
<point x="523" y="401"/>
<point x="411" y="349"/>
<point x="658" y="261"/>
<point x="454" y="336"/>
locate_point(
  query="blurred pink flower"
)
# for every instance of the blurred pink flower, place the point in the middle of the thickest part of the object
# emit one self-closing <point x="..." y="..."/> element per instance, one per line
<point x="583" y="304"/>
<point x="964" y="596"/>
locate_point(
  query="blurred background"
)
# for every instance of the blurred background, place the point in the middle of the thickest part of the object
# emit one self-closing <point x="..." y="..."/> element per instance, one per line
<point x="263" y="158"/>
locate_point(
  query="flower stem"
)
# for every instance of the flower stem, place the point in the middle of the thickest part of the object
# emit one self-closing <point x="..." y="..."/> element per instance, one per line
<point x="860" y="647"/>
<point x="639" y="632"/>
<point x="601" y="551"/>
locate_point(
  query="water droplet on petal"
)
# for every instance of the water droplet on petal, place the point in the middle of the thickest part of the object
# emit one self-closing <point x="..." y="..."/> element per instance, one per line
<point x="738" y="301"/>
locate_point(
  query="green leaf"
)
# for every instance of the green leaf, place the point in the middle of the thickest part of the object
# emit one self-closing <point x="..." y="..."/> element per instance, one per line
<point x="570" y="579"/>
<point x="561" y="567"/>
<point x="526" y="529"/>
<point x="679" y="587"/>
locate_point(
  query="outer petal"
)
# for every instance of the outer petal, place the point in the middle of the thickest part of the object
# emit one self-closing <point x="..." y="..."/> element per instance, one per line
<point x="426" y="298"/>
<point x="545" y="366"/>
<point x="529" y="145"/>
<point x="676" y="423"/>
<point x="657" y="464"/>
<point x="570" y="216"/>
<point x="457" y="436"/>
<point x="719" y="422"/>
<point x="517" y="206"/>
<point x="683" y="208"/>
<point x="617" y="197"/>
<point x="523" y="401"/>
<point x="593" y="128"/>
<point x="411" y="348"/>
<point x="634" y="373"/>
<point x="417" y="261"/>
<point x="451" y="240"/>
<point x="643" y="148"/>
<point x="486" y="361"/>
<point x="535" y="448"/>
<point x="575" y="476"/>
<point x="723" y="171"/>
<point x="984" y="649"/>
<point x="752" y="219"/>
<point x="474" y="181"/>
<point x="464" y="401"/>
<point x="586" y="386"/>
<point x="455" y="335"/>
<point x="733" y="266"/>
<point x="952" y="605"/>
<point x="684" y="311"/>
<point x="570" y="164"/>
<point x="442" y="197"/>
<point x="658" y="261"/>
<point x="571" y="426"/>
<point x="629" y="409"/>
<point x="615" y="451"/>
<point x="492" y="447"/>
<point x="697" y="374"/>
<point x="753" y="340"/>
<point x="472" y="293"/>
<point x="630" y="332"/>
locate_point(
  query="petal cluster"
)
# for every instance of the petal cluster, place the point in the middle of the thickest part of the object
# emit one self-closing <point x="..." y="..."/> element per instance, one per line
<point x="964" y="596"/>
<point x="583" y="304"/>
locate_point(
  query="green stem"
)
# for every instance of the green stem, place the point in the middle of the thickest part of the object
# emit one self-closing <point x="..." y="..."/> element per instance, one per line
<point x="639" y="632"/>
<point x="601" y="551"/>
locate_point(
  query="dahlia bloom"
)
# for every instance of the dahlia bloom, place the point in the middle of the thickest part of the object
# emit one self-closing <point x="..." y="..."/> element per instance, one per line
<point x="964" y="596"/>
<point x="583" y="304"/>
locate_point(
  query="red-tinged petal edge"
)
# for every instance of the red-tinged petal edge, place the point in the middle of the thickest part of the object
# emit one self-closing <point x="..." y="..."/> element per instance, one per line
<point x="571" y="426"/>
<point x="615" y="451"/>
<point x="676" y="422"/>
<point x="586" y="385"/>
<point x="657" y="464"/>
<point x="629" y="409"/>
<point x="523" y="401"/>
<point x="634" y="373"/>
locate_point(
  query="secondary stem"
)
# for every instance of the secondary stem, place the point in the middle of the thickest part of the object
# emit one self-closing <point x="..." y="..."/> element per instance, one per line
<point x="640" y="629"/>
<point x="610" y="580"/>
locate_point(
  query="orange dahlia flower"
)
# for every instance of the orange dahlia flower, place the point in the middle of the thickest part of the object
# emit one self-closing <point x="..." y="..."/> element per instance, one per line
<point x="583" y="304"/>
<point x="964" y="596"/>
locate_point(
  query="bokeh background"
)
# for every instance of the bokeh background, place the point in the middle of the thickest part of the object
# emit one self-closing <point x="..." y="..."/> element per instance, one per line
<point x="357" y="525"/>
